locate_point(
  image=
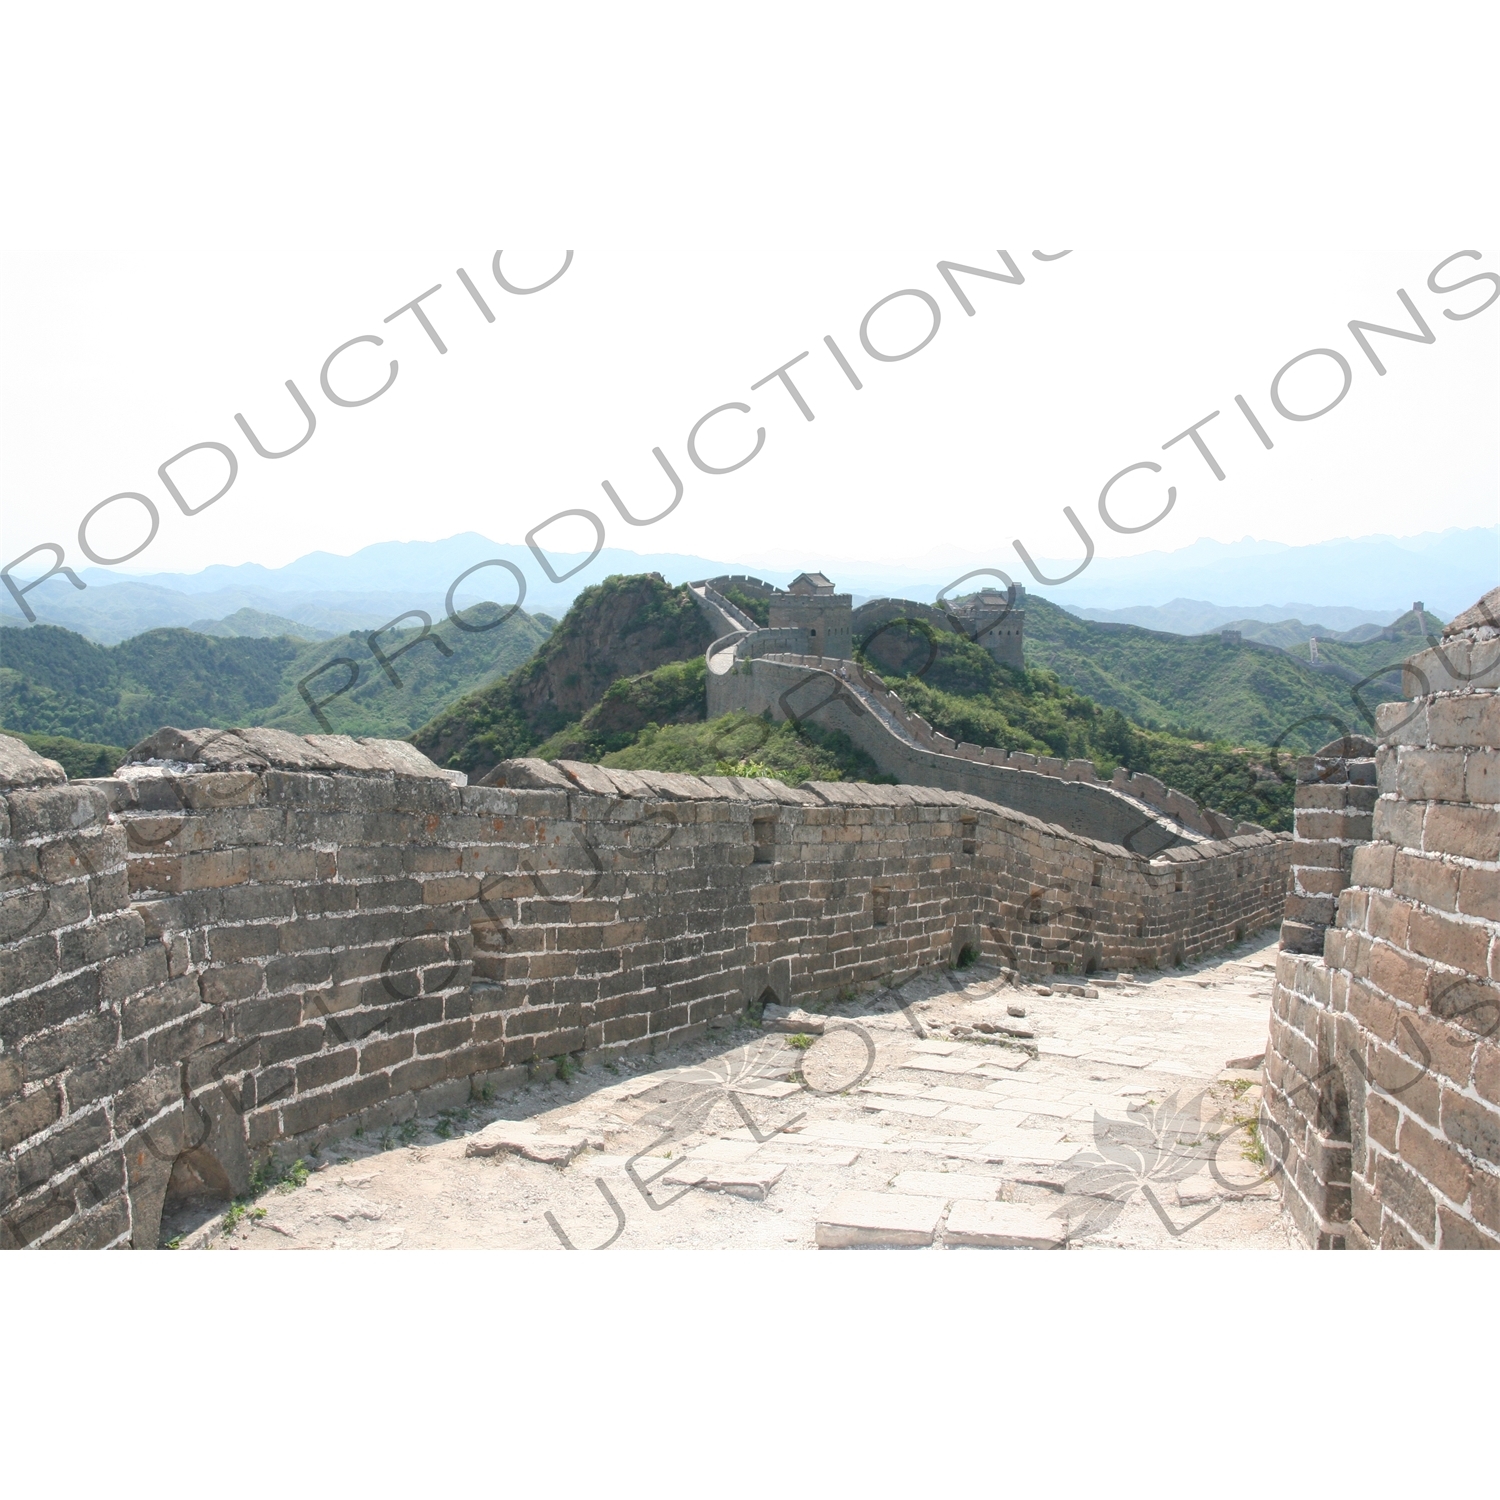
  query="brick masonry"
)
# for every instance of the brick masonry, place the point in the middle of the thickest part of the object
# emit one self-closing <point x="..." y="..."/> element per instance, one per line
<point x="259" y="942"/>
<point x="1381" y="1114"/>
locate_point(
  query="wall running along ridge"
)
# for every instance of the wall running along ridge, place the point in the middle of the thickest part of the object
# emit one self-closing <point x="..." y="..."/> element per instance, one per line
<point x="759" y="671"/>
<point x="1381" y="1111"/>
<point x="259" y="942"/>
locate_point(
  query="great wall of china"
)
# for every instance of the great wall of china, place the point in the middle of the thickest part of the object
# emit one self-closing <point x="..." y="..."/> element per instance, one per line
<point x="247" y="942"/>
<point x="772" y="671"/>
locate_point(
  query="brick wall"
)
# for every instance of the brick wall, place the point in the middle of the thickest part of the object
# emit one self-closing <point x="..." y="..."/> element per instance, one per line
<point x="1381" y="1113"/>
<point x="1333" y="815"/>
<point x="320" y="935"/>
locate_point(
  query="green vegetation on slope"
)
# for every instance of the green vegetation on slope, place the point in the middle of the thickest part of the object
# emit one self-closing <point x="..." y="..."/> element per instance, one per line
<point x="1202" y="687"/>
<point x="257" y="622"/>
<point x="625" y="627"/>
<point x="740" y="744"/>
<point x="54" y="681"/>
<point x="672" y="694"/>
<point x="1369" y="672"/>
<point x="425" y="679"/>
<point x="962" y="692"/>
<point x="757" y="606"/>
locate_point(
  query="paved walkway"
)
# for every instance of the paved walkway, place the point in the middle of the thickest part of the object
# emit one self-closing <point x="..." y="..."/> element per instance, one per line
<point x="960" y="1110"/>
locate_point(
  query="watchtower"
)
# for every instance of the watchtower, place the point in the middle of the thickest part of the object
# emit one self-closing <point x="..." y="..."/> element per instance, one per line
<point x="811" y="604"/>
<point x="999" y="618"/>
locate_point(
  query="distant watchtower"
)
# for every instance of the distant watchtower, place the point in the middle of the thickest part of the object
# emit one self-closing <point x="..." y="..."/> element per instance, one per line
<point x="1001" y="624"/>
<point x="811" y="604"/>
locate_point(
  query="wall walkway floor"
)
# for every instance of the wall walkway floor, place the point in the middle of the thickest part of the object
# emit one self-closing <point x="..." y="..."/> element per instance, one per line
<point x="1115" y="1123"/>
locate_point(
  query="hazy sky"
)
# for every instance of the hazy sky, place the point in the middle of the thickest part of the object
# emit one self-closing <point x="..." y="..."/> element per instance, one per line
<point x="181" y="275"/>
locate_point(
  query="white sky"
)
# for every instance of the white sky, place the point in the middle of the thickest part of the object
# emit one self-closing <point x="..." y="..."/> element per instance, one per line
<point x="221" y="205"/>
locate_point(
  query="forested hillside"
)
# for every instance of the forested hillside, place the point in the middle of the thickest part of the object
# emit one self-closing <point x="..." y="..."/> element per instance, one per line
<point x="56" y="682"/>
<point x="1204" y="687"/>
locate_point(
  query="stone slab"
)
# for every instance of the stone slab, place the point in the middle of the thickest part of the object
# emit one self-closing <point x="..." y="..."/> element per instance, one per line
<point x="1003" y="1063"/>
<point x="522" y="1138"/>
<point x="949" y="1185"/>
<point x="942" y="1064"/>
<point x="748" y="1180"/>
<point x="896" y="1104"/>
<point x="789" y="1154"/>
<point x="1003" y="1226"/>
<point x="857" y="1220"/>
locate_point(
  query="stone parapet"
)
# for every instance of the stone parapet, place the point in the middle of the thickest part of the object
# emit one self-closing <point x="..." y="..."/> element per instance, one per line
<point x="212" y="960"/>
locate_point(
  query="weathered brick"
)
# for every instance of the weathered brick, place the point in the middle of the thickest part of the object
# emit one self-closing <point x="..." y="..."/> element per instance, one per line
<point x="50" y="811"/>
<point x="1401" y="975"/>
<point x="1427" y="880"/>
<point x="223" y="986"/>
<point x="1403" y="1193"/>
<point x="1471" y="832"/>
<point x="385" y="1053"/>
<point x="1465" y="720"/>
<point x="1458" y="1233"/>
<point x="1431" y="775"/>
<point x="1479" y="893"/>
<point x="1482" y="776"/>
<point x="1435" y="1161"/>
<point x="26" y="1116"/>
<point x="301" y="1115"/>
<point x="60" y="1150"/>
<point x="1472" y="1125"/>
<point x="25" y="965"/>
<point x="166" y="1003"/>
<point x="1374" y="865"/>
<point x="326" y="1068"/>
<point x="260" y="940"/>
<point x="1484" y="1199"/>
<point x="49" y="1006"/>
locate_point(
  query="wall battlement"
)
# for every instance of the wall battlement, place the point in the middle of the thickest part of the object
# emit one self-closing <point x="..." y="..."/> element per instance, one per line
<point x="260" y="942"/>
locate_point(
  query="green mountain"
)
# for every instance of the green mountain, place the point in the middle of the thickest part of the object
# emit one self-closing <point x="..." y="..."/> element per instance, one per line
<point x="1206" y="688"/>
<point x="625" y="627"/>
<point x="56" y="682"/>
<point x="257" y="622"/>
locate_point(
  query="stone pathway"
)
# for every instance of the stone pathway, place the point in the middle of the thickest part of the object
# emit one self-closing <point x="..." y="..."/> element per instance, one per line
<point x="959" y="1111"/>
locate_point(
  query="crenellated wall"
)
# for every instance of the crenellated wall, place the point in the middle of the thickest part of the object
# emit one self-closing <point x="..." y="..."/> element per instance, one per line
<point x="259" y="942"/>
<point x="1137" y="811"/>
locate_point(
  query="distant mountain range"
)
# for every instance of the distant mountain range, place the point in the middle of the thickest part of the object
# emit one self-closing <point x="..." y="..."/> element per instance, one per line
<point x="322" y="595"/>
<point x="1366" y="580"/>
<point x="1276" y="625"/>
